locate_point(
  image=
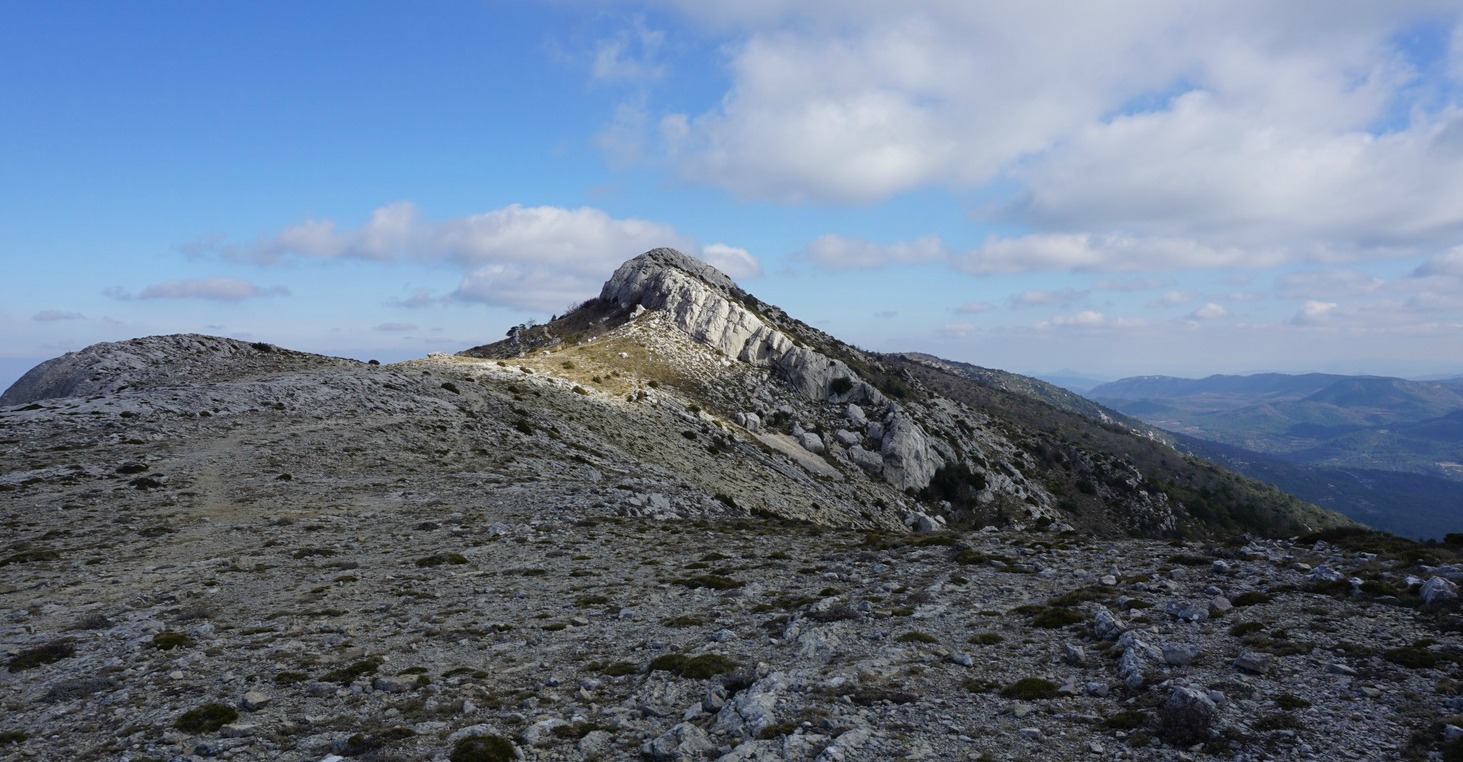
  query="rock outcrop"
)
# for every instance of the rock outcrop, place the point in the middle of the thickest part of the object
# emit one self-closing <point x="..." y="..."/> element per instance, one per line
<point x="711" y="309"/>
<point x="113" y="366"/>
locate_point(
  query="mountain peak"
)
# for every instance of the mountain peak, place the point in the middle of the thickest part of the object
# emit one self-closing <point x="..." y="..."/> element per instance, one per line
<point x="652" y="271"/>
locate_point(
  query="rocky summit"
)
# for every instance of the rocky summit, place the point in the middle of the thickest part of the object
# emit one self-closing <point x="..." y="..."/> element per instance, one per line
<point x="674" y="523"/>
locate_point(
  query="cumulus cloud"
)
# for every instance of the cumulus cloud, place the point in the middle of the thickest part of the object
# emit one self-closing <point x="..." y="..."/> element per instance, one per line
<point x="836" y="252"/>
<point x="630" y="55"/>
<point x="735" y="262"/>
<point x="1314" y="313"/>
<point x="1171" y="299"/>
<point x="1241" y="131"/>
<point x="1448" y="263"/>
<point x="1210" y="311"/>
<point x="212" y="289"/>
<point x="1083" y="318"/>
<point x="50" y="316"/>
<point x="1088" y="252"/>
<point x="535" y="258"/>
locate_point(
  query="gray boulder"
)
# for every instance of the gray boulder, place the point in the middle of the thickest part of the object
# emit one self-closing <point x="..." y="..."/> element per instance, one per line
<point x="683" y="741"/>
<point x="1438" y="592"/>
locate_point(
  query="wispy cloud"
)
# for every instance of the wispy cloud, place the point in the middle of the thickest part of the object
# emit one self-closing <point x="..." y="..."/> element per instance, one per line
<point x="535" y="258"/>
<point x="837" y="252"/>
<point x="1047" y="298"/>
<point x="1210" y="311"/>
<point x="396" y="327"/>
<point x="1313" y="313"/>
<point x="50" y="316"/>
<point x="211" y="289"/>
<point x="974" y="308"/>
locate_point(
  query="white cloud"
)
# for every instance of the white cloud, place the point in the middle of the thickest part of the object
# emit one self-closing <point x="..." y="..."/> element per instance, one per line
<point x="1089" y="319"/>
<point x="858" y="100"/>
<point x="535" y="258"/>
<point x="630" y="55"/>
<point x="212" y="289"/>
<point x="735" y="262"/>
<point x="836" y="252"/>
<point x="396" y="327"/>
<point x="1448" y="263"/>
<point x="51" y="316"/>
<point x="1087" y="252"/>
<point x="1044" y="298"/>
<point x="959" y="330"/>
<point x="1171" y="299"/>
<point x="1209" y="311"/>
<point x="1314" y="313"/>
<point x="1247" y="133"/>
<point x="1085" y="318"/>
<point x="421" y="297"/>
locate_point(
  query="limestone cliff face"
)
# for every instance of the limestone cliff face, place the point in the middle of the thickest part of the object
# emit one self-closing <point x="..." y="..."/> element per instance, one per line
<point x="710" y="308"/>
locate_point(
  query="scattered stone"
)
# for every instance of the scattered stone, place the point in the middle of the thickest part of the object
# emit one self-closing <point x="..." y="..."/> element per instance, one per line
<point x="253" y="701"/>
<point x="1074" y="655"/>
<point x="1438" y="591"/>
<point x="1105" y="625"/>
<point x="682" y="741"/>
<point x="1179" y="654"/>
<point x="1255" y="662"/>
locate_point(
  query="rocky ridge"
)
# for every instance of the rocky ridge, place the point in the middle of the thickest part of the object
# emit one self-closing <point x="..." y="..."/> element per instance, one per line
<point x="610" y="538"/>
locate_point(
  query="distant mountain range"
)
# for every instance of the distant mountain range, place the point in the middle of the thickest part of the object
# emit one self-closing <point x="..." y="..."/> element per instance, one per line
<point x="1387" y="451"/>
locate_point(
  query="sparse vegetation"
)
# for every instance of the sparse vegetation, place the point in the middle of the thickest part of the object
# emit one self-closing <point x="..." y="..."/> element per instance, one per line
<point x="206" y="718"/>
<point x="1030" y="689"/>
<point x="168" y="640"/>
<point x="350" y="673"/>
<point x="484" y="748"/>
<point x="438" y="559"/>
<point x="48" y="653"/>
<point x="693" y="667"/>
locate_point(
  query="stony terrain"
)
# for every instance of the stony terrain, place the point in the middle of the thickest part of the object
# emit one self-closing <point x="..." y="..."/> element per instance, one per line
<point x="633" y="539"/>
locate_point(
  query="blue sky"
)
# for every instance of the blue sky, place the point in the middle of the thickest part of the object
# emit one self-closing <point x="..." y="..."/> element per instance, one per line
<point x="1118" y="188"/>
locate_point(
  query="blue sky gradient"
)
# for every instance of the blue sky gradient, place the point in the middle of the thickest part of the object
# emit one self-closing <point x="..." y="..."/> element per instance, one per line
<point x="1135" y="188"/>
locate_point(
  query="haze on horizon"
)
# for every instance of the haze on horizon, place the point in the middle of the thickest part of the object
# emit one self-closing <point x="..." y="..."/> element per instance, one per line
<point x="1119" y="189"/>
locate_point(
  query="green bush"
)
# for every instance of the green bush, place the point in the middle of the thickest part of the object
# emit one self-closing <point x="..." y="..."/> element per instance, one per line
<point x="168" y="640"/>
<point x="1030" y="689"/>
<point x="693" y="667"/>
<point x="207" y="718"/>
<point x="713" y="581"/>
<point x="439" y="559"/>
<point x="483" y="749"/>
<point x="348" y="674"/>
<point x="49" y="653"/>
<point x="1252" y="598"/>
<point x="619" y="669"/>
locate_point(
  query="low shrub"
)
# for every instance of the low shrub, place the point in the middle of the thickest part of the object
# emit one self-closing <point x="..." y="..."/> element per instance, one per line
<point x="1030" y="689"/>
<point x="207" y="718"/>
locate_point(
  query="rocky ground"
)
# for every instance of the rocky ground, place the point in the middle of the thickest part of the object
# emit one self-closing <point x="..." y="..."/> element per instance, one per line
<point x="255" y="584"/>
<point x="681" y="536"/>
